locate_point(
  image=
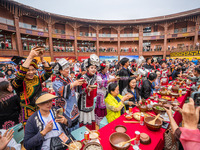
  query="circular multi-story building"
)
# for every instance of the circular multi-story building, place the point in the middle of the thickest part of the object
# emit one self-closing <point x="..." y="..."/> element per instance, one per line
<point x="23" y="27"/>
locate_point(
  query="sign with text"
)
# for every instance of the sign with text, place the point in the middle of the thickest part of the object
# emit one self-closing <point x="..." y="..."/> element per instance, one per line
<point x="186" y="53"/>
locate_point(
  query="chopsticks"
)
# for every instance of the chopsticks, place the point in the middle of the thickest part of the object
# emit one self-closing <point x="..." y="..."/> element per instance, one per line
<point x="67" y="145"/>
<point x="91" y="132"/>
<point x="155" y="115"/>
<point x="131" y="121"/>
<point x="73" y="142"/>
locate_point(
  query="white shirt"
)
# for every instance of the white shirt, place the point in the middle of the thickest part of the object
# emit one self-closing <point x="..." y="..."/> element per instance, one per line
<point x="76" y="66"/>
<point x="52" y="133"/>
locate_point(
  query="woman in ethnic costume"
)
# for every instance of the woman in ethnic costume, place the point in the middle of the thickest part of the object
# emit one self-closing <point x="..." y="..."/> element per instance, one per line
<point x="27" y="84"/>
<point x="87" y="94"/>
<point x="103" y="79"/>
<point x="64" y="87"/>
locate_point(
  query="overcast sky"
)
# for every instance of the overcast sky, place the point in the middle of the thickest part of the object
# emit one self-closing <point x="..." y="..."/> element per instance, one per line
<point x="113" y="9"/>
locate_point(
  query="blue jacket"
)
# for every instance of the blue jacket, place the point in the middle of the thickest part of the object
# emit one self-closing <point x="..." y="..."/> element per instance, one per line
<point x="33" y="140"/>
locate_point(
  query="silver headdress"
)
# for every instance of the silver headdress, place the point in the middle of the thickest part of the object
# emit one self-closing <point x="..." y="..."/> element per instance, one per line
<point x="93" y="60"/>
<point x="140" y="61"/>
<point x="61" y="64"/>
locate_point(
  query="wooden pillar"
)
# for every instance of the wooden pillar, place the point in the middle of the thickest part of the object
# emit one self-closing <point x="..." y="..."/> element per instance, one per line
<point x="18" y="35"/>
<point x="140" y="40"/>
<point x="50" y="41"/>
<point x="97" y="41"/>
<point x="75" y="42"/>
<point x="165" y="41"/>
<point x="196" y="31"/>
<point x="118" y="43"/>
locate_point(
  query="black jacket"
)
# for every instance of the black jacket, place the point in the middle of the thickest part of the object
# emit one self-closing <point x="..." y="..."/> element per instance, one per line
<point x="124" y="75"/>
<point x="148" y="66"/>
<point x="146" y="89"/>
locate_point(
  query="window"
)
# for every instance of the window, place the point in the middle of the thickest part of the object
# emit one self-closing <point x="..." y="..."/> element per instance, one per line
<point x="147" y="30"/>
<point x="62" y="46"/>
<point x="5" y="41"/>
<point x="29" y="42"/>
<point x="86" y="46"/>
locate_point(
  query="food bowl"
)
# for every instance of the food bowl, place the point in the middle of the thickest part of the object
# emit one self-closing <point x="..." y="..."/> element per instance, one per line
<point x="137" y="115"/>
<point x="72" y="146"/>
<point x="128" y="117"/>
<point x="158" y="109"/>
<point x="156" y="127"/>
<point x="116" y="138"/>
<point x="120" y="128"/>
<point x="92" y="146"/>
<point x="161" y="100"/>
<point x="94" y="136"/>
<point x="176" y="95"/>
<point x="175" y="89"/>
<point x="163" y="93"/>
<point x="166" y="97"/>
<point x="145" y="139"/>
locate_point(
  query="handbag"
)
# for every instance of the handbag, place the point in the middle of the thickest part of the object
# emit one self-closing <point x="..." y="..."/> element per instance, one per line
<point x="170" y="141"/>
<point x="56" y="143"/>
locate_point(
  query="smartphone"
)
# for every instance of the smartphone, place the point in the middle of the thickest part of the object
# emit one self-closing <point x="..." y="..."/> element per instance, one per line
<point x="59" y="112"/>
<point x="165" y="125"/>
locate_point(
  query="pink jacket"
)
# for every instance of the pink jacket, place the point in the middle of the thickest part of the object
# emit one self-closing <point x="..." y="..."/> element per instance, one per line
<point x="190" y="139"/>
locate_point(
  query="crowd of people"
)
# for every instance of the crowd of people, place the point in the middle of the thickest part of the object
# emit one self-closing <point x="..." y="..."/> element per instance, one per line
<point x="77" y="86"/>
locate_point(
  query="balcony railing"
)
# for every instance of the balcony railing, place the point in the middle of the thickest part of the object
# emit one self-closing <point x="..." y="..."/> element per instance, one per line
<point x="181" y="30"/>
<point x="129" y="35"/>
<point x="109" y="49"/>
<point x="86" y="49"/>
<point x="150" y="50"/>
<point x="128" y="49"/>
<point x="63" y="49"/>
<point x="184" y="48"/>
<point x="153" y="34"/>
<point x="87" y="34"/>
<point x="32" y="27"/>
<point x="107" y="35"/>
<point x="59" y="31"/>
<point x="7" y="21"/>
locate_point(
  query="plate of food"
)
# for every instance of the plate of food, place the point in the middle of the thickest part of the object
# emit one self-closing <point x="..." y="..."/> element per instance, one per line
<point x="158" y="109"/>
<point x="138" y="114"/>
<point x="120" y="128"/>
<point x="128" y="117"/>
<point x="76" y="145"/>
<point x="166" y="97"/>
<point x="93" y="146"/>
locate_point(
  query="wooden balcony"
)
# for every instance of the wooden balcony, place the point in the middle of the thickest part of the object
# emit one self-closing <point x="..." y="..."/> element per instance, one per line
<point x="34" y="32"/>
<point x="8" y="52"/>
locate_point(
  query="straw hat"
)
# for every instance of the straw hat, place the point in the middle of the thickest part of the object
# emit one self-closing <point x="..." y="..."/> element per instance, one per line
<point x="44" y="98"/>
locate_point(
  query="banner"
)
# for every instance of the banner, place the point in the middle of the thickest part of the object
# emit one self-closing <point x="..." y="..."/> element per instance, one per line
<point x="130" y="57"/>
<point x="82" y="58"/>
<point x="47" y="59"/>
<point x="108" y="58"/>
<point x="69" y="58"/>
<point x="186" y="53"/>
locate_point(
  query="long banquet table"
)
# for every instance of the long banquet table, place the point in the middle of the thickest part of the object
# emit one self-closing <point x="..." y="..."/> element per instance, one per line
<point x="157" y="137"/>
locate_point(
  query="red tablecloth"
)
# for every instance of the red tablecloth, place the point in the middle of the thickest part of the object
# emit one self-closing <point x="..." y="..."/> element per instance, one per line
<point x="157" y="137"/>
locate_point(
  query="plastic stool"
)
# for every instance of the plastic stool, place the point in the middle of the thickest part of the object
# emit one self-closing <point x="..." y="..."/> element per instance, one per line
<point x="103" y="122"/>
<point x="18" y="134"/>
<point x="78" y="134"/>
